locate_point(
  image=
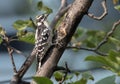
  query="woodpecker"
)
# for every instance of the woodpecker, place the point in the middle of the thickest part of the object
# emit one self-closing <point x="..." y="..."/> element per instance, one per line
<point x="43" y="38"/>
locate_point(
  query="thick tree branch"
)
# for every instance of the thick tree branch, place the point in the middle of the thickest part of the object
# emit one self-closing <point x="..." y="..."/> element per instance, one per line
<point x="64" y="33"/>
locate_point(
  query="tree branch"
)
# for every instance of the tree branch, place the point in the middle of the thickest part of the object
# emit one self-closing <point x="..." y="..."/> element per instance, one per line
<point x="10" y="51"/>
<point x="66" y="72"/>
<point x="108" y="34"/>
<point x="69" y="24"/>
<point x="96" y="50"/>
<point x="21" y="72"/>
<point x="104" y="13"/>
<point x="63" y="8"/>
<point x="87" y="49"/>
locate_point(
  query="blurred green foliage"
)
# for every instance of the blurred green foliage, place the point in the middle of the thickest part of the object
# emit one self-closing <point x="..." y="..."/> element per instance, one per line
<point x="22" y="24"/>
<point x="2" y="34"/>
<point x="23" y="33"/>
<point x="117" y="4"/>
<point x="42" y="80"/>
<point x="42" y="7"/>
<point x="107" y="80"/>
<point x="110" y="62"/>
<point x="81" y="78"/>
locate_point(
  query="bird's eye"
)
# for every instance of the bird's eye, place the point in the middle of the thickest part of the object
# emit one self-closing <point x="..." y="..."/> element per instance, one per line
<point x="39" y="17"/>
<point x="42" y="17"/>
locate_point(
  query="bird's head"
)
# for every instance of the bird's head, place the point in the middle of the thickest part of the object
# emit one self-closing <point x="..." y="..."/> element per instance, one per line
<point x="41" y="18"/>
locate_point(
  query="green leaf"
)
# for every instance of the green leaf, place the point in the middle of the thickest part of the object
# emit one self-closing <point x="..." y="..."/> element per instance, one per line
<point x="28" y="37"/>
<point x="117" y="7"/>
<point x="1" y="40"/>
<point x="79" y="32"/>
<point x="107" y="80"/>
<point x="42" y="7"/>
<point x="48" y="10"/>
<point x="112" y="55"/>
<point x="87" y="76"/>
<point x="77" y="74"/>
<point x="115" y="42"/>
<point x="42" y="80"/>
<point x="89" y="43"/>
<point x="96" y="59"/>
<point x="81" y="81"/>
<point x="69" y="77"/>
<point x="93" y="38"/>
<point x="103" y="60"/>
<point x="22" y="24"/>
<point x="110" y="62"/>
<point x="58" y="76"/>
<point x="2" y="31"/>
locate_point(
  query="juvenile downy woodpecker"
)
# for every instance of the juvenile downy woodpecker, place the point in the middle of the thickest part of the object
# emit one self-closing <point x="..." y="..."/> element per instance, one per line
<point x="43" y="38"/>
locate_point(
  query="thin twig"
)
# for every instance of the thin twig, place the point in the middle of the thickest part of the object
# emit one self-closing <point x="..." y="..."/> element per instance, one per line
<point x="17" y="74"/>
<point x="34" y="25"/>
<point x="18" y="51"/>
<point x="88" y="49"/>
<point x="66" y="72"/>
<point x="104" y="13"/>
<point x="10" y="51"/>
<point x="63" y="4"/>
<point x="108" y="35"/>
<point x="63" y="8"/>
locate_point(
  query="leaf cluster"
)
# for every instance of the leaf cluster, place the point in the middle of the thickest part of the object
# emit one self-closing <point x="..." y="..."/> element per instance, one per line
<point x="81" y="78"/>
<point x="23" y="33"/>
<point x="110" y="62"/>
<point x="117" y="4"/>
<point x="43" y="7"/>
<point x="2" y="34"/>
<point x="85" y="37"/>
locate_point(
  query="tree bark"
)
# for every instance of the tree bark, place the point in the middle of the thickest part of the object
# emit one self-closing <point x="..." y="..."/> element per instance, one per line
<point x="65" y="31"/>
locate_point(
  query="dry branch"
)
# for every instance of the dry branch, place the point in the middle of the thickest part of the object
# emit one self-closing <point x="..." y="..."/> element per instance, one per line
<point x="104" y="13"/>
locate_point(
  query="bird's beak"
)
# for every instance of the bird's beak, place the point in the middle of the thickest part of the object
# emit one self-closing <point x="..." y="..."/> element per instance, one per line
<point x="46" y="15"/>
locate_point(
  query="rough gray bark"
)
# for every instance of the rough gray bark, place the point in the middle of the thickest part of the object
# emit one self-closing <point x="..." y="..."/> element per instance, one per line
<point x="64" y="33"/>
